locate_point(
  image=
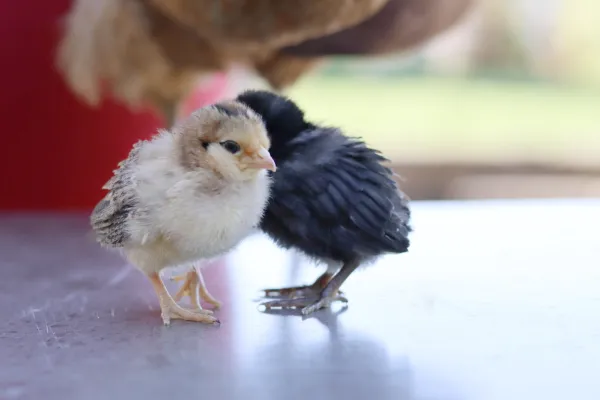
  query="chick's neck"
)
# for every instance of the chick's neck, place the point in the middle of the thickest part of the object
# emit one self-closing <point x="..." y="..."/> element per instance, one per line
<point x="283" y="145"/>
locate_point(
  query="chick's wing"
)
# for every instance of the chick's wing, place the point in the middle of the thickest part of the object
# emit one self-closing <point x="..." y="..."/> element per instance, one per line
<point x="110" y="216"/>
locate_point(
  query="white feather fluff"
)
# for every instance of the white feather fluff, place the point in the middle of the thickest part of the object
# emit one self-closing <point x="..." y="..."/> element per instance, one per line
<point x="185" y="217"/>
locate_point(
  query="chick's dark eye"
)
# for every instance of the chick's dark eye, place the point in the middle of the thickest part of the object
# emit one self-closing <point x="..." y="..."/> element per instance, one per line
<point x="231" y="146"/>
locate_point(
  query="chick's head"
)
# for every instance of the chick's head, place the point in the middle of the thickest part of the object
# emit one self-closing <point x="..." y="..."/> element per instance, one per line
<point x="228" y="138"/>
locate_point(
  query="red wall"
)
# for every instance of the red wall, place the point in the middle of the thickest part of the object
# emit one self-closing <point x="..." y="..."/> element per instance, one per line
<point x="56" y="152"/>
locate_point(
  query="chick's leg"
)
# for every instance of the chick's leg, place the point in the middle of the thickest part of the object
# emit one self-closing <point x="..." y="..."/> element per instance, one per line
<point x="301" y="291"/>
<point x="194" y="282"/>
<point x="189" y="288"/>
<point x="327" y="295"/>
<point x="204" y="293"/>
<point x="171" y="310"/>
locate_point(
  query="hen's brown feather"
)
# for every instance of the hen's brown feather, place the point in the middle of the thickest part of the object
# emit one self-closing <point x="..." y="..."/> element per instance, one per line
<point x="130" y="47"/>
<point x="282" y="70"/>
<point x="267" y="23"/>
<point x="399" y="25"/>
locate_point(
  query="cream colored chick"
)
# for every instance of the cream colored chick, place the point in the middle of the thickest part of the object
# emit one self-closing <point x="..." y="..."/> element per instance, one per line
<point x="187" y="194"/>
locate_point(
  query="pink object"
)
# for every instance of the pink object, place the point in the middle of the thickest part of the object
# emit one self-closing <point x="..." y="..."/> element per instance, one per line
<point x="206" y="93"/>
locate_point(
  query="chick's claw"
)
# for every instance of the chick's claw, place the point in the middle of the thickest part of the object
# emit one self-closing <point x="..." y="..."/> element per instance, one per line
<point x="324" y="302"/>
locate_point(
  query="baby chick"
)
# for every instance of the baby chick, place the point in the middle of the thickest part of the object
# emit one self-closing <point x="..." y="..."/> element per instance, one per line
<point x="331" y="198"/>
<point x="187" y="194"/>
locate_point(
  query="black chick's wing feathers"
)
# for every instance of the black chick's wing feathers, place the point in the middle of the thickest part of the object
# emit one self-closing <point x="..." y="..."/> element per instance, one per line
<point x="333" y="198"/>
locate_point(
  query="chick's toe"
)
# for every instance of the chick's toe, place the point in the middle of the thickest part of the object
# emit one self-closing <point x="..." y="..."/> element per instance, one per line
<point x="307" y="304"/>
<point x="300" y="291"/>
<point x="324" y="302"/>
<point x="177" y="312"/>
<point x="207" y="297"/>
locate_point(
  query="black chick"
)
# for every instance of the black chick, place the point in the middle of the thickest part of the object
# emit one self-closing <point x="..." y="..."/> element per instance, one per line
<point x="331" y="198"/>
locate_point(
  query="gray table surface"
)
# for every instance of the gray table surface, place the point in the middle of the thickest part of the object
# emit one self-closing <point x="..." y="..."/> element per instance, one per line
<point x="496" y="300"/>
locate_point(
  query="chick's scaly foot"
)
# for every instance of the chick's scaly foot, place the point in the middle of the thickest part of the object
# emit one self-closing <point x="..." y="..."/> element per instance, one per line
<point x="169" y="309"/>
<point x="313" y="290"/>
<point x="175" y="311"/>
<point x="308" y="304"/>
<point x="293" y="292"/>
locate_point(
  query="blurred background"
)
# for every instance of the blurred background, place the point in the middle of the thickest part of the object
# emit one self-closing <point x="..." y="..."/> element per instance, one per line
<point x="504" y="104"/>
<point x="501" y="105"/>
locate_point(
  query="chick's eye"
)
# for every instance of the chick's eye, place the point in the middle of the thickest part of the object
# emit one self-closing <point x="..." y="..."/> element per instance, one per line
<point x="231" y="146"/>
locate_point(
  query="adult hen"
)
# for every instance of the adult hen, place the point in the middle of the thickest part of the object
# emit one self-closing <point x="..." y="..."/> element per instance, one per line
<point x="331" y="198"/>
<point x="154" y="51"/>
<point x="187" y="194"/>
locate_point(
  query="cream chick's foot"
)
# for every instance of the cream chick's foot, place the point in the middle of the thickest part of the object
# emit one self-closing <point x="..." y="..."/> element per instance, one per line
<point x="169" y="309"/>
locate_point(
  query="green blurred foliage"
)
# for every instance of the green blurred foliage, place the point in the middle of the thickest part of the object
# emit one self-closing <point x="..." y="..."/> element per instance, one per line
<point x="454" y="118"/>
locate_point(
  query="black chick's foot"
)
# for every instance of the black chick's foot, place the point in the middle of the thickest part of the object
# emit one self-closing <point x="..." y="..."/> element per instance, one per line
<point x="294" y="292"/>
<point x="289" y="292"/>
<point x="307" y="304"/>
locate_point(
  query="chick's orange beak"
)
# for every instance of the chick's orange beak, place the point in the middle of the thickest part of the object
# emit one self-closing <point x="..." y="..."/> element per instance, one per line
<point x="262" y="160"/>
